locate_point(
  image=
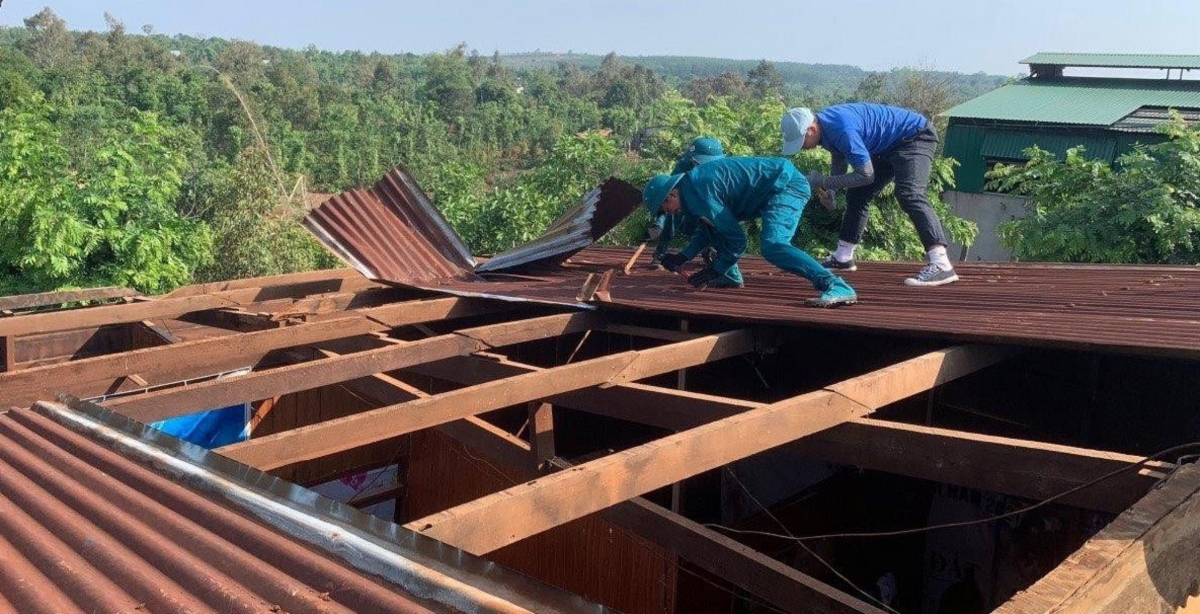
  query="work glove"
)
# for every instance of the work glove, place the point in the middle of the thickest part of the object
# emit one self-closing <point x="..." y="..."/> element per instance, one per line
<point x="673" y="261"/>
<point x="703" y="277"/>
<point x="827" y="198"/>
<point x="816" y="179"/>
<point x="652" y="234"/>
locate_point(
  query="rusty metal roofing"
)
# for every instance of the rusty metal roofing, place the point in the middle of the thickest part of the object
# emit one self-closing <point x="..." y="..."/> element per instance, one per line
<point x="1112" y="309"/>
<point x="580" y="226"/>
<point x="391" y="232"/>
<point x="93" y="519"/>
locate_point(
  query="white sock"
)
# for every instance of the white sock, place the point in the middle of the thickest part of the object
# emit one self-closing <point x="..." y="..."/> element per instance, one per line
<point x="937" y="255"/>
<point x="845" y="251"/>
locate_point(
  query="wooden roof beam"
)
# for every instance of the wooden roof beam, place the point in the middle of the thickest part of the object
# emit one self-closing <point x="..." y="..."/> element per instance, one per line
<point x="1144" y="561"/>
<point x="1022" y="468"/>
<point x="203" y="357"/>
<point x="45" y="299"/>
<point x="352" y="431"/>
<point x="511" y="515"/>
<point x="726" y="558"/>
<point x="171" y="402"/>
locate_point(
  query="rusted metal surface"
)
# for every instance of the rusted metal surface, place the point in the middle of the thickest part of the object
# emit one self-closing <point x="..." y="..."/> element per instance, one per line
<point x="391" y="232"/>
<point x="1115" y="309"/>
<point x="87" y="526"/>
<point x="580" y="226"/>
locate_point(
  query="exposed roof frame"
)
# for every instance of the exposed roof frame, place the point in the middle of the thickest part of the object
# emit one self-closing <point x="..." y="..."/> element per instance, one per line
<point x="511" y="515"/>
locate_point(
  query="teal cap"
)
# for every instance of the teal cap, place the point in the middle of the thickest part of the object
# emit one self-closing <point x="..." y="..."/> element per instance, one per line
<point x="656" y="191"/>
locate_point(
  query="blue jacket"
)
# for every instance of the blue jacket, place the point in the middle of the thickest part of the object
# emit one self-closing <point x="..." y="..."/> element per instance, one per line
<point x="856" y="131"/>
<point x="723" y="193"/>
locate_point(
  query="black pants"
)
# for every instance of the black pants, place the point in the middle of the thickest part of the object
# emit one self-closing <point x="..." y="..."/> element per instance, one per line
<point x="909" y="164"/>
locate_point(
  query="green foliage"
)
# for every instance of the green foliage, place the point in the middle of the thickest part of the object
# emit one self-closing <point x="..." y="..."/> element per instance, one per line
<point x="107" y="218"/>
<point x="1142" y="210"/>
<point x="256" y="230"/>
<point x="154" y="160"/>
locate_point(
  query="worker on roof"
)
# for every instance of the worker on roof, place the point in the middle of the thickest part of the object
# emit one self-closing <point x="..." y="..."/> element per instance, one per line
<point x="724" y="192"/>
<point x="666" y="227"/>
<point x="881" y="143"/>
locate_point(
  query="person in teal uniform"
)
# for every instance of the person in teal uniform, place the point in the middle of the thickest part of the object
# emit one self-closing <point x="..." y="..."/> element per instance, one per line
<point x="721" y="194"/>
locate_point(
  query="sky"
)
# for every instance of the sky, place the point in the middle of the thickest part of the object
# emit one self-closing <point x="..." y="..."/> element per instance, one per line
<point x="958" y="35"/>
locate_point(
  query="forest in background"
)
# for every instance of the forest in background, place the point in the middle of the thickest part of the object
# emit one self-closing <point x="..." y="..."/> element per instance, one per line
<point x="153" y="161"/>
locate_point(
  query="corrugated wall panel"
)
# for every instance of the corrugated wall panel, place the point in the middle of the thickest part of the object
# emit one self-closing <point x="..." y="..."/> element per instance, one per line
<point x="590" y="557"/>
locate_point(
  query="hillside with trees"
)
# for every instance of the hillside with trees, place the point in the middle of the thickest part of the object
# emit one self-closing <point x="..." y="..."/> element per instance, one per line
<point x="152" y="161"/>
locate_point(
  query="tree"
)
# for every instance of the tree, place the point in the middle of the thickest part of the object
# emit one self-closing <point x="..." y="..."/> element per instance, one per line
<point x="765" y="81"/>
<point x="104" y="219"/>
<point x="1143" y="209"/>
<point x="448" y="85"/>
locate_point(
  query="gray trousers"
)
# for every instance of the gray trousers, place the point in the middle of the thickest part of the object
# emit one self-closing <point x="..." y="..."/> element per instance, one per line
<point x="909" y="164"/>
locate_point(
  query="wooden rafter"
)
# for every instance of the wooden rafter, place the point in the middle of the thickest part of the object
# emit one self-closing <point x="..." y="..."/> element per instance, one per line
<point x="1022" y="468"/>
<point x="509" y="516"/>
<point x="155" y="406"/>
<point x="761" y="575"/>
<point x="352" y="431"/>
<point x="1144" y="561"/>
<point x="44" y="299"/>
<point x="203" y="357"/>
<point x="308" y="282"/>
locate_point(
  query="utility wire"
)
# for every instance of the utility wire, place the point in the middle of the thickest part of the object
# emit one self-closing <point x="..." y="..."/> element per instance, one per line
<point x="954" y="525"/>
<point x="821" y="560"/>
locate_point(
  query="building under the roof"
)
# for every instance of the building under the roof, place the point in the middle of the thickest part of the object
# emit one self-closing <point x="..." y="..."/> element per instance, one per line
<point x="583" y="436"/>
<point x="1107" y="116"/>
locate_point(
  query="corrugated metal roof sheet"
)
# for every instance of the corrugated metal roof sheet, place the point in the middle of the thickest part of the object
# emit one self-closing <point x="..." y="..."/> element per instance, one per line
<point x="420" y="245"/>
<point x="1111" y="309"/>
<point x="1115" y="60"/>
<point x="393" y="233"/>
<point x="1011" y="144"/>
<point x="580" y="226"/>
<point x="94" y="519"/>
<point x="1077" y="100"/>
<point x="1146" y="119"/>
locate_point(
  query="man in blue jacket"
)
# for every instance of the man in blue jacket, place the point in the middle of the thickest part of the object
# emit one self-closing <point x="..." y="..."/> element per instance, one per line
<point x="721" y="194"/>
<point x="880" y="143"/>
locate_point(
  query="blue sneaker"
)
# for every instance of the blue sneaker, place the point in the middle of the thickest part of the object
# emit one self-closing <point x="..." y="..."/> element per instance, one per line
<point x="838" y="293"/>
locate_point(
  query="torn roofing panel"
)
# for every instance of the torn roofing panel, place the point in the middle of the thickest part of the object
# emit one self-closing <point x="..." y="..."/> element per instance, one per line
<point x="391" y="232"/>
<point x="594" y="215"/>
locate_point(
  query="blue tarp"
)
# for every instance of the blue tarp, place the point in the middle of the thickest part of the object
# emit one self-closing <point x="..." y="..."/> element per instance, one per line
<point x="212" y="428"/>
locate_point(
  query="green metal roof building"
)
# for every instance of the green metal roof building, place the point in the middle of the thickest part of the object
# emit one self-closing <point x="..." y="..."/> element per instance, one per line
<point x="1107" y="116"/>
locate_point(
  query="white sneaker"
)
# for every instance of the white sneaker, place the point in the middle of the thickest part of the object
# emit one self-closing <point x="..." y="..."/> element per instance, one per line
<point x="932" y="275"/>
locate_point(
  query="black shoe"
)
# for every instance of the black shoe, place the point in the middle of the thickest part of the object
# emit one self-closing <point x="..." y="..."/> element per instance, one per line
<point x="833" y="264"/>
<point x="722" y="282"/>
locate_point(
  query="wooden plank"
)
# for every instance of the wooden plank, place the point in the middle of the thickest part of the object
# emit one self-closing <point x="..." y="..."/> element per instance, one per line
<point x="43" y="299"/>
<point x="310" y="282"/>
<point x="349" y="432"/>
<point x="163" y="404"/>
<point x="1016" y="467"/>
<point x="1029" y="469"/>
<point x="120" y="314"/>
<point x="8" y="355"/>
<point x="541" y="431"/>
<point x="1144" y="561"/>
<point x="93" y="376"/>
<point x="492" y="522"/>
<point x="761" y="575"/>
